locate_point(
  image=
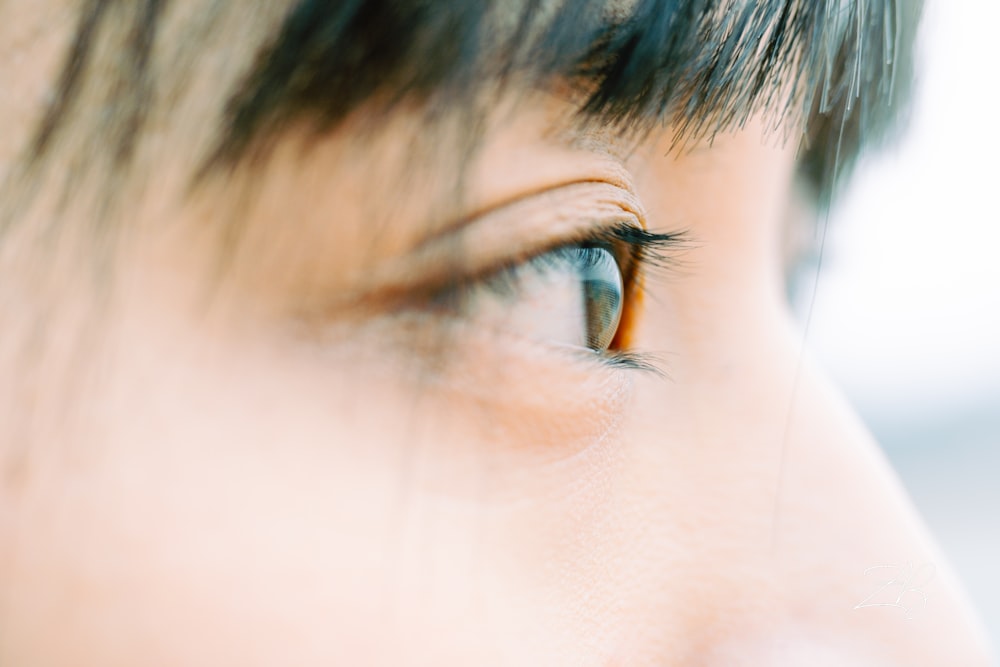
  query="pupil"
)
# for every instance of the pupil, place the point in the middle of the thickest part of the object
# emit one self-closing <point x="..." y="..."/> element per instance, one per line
<point x="603" y="296"/>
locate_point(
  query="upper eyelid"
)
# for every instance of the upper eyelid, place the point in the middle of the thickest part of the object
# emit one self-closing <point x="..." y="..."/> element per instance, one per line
<point x="514" y="232"/>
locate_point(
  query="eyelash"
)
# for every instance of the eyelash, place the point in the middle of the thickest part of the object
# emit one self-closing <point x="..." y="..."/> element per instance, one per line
<point x="647" y="252"/>
<point x="638" y="252"/>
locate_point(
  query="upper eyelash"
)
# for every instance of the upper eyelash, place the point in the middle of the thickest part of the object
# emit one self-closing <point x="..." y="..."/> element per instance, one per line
<point x="650" y="249"/>
<point x="645" y="250"/>
<point x="654" y="242"/>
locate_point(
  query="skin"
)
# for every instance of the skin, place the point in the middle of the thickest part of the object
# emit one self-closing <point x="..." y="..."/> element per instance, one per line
<point x="252" y="473"/>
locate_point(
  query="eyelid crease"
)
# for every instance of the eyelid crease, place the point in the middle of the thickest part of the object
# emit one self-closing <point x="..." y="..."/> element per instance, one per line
<point x="616" y="186"/>
<point x="508" y="234"/>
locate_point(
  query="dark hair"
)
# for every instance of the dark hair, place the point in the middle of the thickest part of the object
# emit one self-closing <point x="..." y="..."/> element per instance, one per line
<point x="702" y="65"/>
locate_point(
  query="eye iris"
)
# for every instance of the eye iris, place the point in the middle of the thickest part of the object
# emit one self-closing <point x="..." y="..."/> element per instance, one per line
<point x="603" y="295"/>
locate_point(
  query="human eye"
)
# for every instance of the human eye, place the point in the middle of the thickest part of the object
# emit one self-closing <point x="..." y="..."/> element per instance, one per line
<point x="552" y="279"/>
<point x="582" y="295"/>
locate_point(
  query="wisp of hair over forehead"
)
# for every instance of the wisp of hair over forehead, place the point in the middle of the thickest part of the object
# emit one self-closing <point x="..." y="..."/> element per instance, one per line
<point x="702" y="66"/>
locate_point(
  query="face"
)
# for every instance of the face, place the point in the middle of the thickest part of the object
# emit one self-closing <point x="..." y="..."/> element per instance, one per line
<point x="399" y="423"/>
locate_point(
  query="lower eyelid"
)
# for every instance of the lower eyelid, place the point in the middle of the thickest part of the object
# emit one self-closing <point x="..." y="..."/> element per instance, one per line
<point x="546" y="401"/>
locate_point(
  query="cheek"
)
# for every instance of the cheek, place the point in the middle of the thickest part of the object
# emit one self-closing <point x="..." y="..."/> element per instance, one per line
<point x="269" y="509"/>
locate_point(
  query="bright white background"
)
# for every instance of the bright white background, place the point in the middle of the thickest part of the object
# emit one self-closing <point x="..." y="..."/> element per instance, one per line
<point x="907" y="310"/>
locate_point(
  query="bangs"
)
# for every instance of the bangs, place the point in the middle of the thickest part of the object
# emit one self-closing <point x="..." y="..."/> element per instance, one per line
<point x="244" y="75"/>
<point x="827" y="67"/>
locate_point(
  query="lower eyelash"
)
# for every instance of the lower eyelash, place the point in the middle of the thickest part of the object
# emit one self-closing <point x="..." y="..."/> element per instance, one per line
<point x="635" y="361"/>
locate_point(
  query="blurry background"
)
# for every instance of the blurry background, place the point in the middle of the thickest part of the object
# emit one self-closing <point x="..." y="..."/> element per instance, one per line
<point x="907" y="310"/>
